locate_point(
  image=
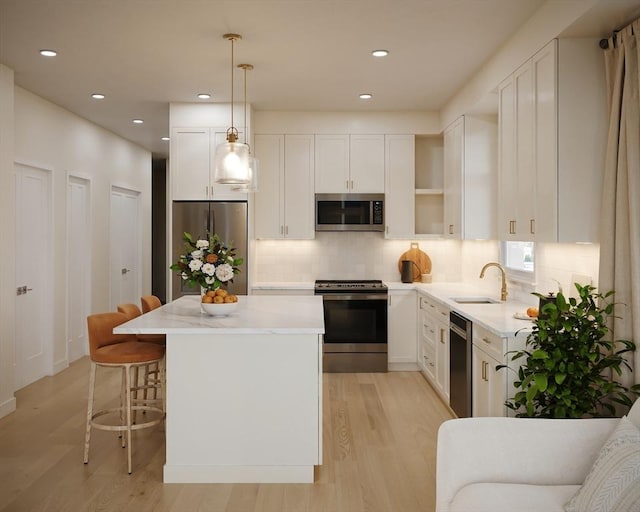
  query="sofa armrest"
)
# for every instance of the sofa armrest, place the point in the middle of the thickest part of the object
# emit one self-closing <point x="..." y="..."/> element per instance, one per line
<point x="516" y="450"/>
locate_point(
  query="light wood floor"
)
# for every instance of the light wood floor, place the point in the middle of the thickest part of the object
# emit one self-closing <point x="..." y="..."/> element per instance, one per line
<point x="379" y="454"/>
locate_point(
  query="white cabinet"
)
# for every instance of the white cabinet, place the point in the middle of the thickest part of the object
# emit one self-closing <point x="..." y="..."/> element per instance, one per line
<point x="191" y="165"/>
<point x="552" y="132"/>
<point x="433" y="334"/>
<point x="453" y="175"/>
<point x="488" y="394"/>
<point x="284" y="200"/>
<point x="366" y="164"/>
<point x="492" y="387"/>
<point x="349" y="164"/>
<point x="471" y="177"/>
<point x="399" y="186"/>
<point x="402" y="330"/>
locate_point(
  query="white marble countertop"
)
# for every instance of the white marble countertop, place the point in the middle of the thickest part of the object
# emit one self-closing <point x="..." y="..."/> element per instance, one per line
<point x="496" y="317"/>
<point x="255" y="314"/>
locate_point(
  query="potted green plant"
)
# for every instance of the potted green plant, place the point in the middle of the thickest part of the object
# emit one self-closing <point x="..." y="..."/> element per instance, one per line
<point x="569" y="360"/>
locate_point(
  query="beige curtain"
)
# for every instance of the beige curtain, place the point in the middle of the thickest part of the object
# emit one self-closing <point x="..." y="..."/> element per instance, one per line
<point x="620" y="221"/>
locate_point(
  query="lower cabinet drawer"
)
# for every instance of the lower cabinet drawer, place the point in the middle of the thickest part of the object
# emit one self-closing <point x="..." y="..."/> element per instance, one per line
<point x="491" y="343"/>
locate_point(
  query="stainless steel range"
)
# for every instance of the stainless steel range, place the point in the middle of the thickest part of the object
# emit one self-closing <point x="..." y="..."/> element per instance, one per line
<point x="355" y="324"/>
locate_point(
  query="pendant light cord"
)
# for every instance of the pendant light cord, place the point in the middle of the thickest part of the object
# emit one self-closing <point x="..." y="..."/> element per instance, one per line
<point x="232" y="39"/>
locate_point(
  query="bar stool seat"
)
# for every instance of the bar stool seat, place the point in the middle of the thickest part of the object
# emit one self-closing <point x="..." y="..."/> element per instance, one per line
<point x="126" y="353"/>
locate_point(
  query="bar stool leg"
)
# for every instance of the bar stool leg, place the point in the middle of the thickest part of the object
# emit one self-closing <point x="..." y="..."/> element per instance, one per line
<point x="128" y="412"/>
<point x="87" y="434"/>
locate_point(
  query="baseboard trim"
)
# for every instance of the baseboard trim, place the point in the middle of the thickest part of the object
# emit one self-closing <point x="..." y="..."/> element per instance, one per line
<point x="8" y="407"/>
<point x="403" y="367"/>
<point x="58" y="366"/>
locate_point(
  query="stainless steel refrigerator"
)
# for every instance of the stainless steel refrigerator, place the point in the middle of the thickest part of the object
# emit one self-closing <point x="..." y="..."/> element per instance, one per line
<point x="227" y="219"/>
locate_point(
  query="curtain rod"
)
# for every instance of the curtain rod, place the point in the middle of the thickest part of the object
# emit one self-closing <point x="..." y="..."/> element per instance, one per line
<point x="604" y="43"/>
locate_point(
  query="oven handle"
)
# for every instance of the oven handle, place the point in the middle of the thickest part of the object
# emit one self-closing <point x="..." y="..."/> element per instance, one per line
<point x="355" y="296"/>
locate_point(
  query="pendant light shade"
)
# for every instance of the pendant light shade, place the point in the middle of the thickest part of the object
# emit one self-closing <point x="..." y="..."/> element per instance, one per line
<point x="232" y="157"/>
<point x="252" y="186"/>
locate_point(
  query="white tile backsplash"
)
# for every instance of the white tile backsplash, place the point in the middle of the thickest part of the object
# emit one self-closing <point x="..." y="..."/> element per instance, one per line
<point x="355" y="255"/>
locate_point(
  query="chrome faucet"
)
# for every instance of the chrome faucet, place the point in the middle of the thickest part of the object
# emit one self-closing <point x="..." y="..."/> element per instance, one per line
<point x="503" y="289"/>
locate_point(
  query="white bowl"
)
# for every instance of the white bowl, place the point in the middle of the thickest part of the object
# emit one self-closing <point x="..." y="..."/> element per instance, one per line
<point x="218" y="309"/>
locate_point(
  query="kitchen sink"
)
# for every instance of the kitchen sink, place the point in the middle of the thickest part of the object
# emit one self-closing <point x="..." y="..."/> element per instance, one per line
<point x="475" y="300"/>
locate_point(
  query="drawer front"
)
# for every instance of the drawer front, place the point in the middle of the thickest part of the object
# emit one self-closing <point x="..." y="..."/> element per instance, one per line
<point x="435" y="308"/>
<point x="489" y="342"/>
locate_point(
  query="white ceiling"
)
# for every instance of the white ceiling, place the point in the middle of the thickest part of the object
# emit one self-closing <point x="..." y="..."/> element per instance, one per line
<point x="308" y="54"/>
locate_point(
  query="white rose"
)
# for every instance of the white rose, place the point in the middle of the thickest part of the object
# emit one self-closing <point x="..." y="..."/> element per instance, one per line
<point x="209" y="280"/>
<point x="185" y="276"/>
<point x="197" y="254"/>
<point x="208" y="269"/>
<point x="224" y="272"/>
<point x="195" y="265"/>
<point x="202" y="244"/>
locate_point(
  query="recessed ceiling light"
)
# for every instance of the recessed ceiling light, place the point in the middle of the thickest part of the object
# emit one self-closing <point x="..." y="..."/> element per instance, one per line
<point x="97" y="96"/>
<point x="165" y="138"/>
<point x="48" y="53"/>
<point x="204" y="96"/>
<point x="138" y="121"/>
<point x="366" y="96"/>
<point x="379" y="53"/>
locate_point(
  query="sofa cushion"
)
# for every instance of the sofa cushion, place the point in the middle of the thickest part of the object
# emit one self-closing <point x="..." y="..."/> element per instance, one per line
<point x="503" y="497"/>
<point x="613" y="484"/>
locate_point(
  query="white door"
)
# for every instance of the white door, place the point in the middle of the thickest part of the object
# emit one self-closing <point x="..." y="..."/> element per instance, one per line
<point x="366" y="164"/>
<point x="125" y="247"/>
<point x="79" y="270"/>
<point x="34" y="268"/>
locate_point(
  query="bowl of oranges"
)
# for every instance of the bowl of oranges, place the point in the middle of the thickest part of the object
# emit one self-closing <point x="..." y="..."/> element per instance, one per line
<point x="218" y="302"/>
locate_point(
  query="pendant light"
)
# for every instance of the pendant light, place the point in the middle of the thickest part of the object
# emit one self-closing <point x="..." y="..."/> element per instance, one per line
<point x="232" y="157"/>
<point x="252" y="186"/>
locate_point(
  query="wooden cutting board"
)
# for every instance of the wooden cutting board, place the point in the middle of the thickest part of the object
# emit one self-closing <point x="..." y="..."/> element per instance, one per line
<point x="420" y="258"/>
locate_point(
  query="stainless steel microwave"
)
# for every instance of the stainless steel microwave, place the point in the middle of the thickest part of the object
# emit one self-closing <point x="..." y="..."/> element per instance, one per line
<point x="349" y="212"/>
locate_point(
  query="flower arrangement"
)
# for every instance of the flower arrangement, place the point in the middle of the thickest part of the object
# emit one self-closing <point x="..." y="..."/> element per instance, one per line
<point x="208" y="263"/>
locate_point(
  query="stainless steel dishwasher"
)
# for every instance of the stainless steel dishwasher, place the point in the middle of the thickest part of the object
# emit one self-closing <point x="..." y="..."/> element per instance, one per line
<point x="460" y="364"/>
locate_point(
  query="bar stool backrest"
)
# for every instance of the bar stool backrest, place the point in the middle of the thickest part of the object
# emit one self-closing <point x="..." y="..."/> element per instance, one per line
<point x="150" y="302"/>
<point x="130" y="310"/>
<point x="100" y="328"/>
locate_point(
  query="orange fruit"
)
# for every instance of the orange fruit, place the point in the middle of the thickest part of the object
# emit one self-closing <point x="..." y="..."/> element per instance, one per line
<point x="218" y="300"/>
<point x="207" y="299"/>
<point x="532" y="312"/>
<point x="211" y="293"/>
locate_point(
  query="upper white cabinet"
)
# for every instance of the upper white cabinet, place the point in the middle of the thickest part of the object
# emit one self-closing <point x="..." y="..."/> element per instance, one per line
<point x="366" y="163"/>
<point x="470" y="178"/>
<point x="192" y="174"/>
<point x="552" y="131"/>
<point x="349" y="164"/>
<point x="399" y="186"/>
<point x="284" y="200"/>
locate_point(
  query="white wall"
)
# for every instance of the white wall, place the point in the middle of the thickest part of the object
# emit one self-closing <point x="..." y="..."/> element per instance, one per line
<point x="7" y="243"/>
<point x="50" y="137"/>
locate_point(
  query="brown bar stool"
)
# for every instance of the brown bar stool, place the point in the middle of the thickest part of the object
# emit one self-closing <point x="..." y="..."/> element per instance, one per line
<point x="122" y="351"/>
<point x="151" y="371"/>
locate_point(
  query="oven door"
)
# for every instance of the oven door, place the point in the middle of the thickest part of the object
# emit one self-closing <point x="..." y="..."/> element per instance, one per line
<point x="355" y="323"/>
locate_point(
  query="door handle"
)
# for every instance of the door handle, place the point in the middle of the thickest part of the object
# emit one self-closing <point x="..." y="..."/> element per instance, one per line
<point x="22" y="290"/>
<point x="125" y="271"/>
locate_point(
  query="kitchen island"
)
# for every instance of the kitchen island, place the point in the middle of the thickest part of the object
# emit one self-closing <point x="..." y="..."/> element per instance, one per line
<point x="244" y="392"/>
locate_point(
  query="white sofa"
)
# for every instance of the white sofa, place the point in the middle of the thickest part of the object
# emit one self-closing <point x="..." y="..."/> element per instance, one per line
<point x="517" y="465"/>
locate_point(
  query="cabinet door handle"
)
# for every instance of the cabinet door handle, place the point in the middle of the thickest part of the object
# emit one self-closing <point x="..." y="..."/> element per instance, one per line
<point x="532" y="226"/>
<point x="451" y="229"/>
<point x="286" y="230"/>
<point x="512" y="227"/>
<point x="442" y="336"/>
<point x="486" y="340"/>
<point x="484" y="370"/>
<point x="351" y="184"/>
<point x="347" y="184"/>
<point x="281" y="229"/>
